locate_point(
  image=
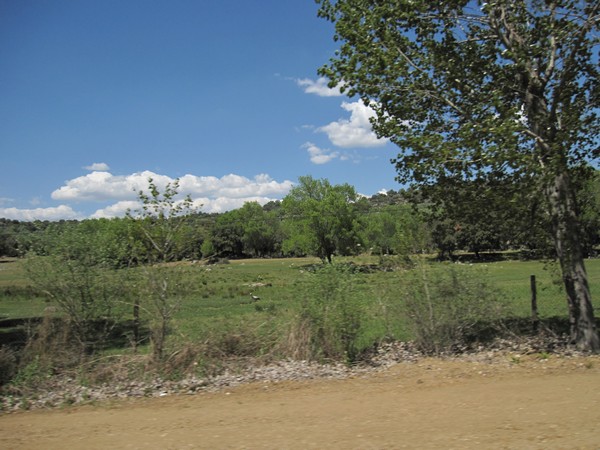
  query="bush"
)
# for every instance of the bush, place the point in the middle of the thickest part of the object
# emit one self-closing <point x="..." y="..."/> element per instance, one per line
<point x="331" y="317"/>
<point x="89" y="294"/>
<point x="52" y="346"/>
<point x="450" y="307"/>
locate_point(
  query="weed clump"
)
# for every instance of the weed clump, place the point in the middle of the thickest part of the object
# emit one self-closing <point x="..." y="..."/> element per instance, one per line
<point x="449" y="307"/>
<point x="330" y="320"/>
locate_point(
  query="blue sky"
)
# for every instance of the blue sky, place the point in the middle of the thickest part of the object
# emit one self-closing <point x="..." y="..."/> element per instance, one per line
<point x="98" y="95"/>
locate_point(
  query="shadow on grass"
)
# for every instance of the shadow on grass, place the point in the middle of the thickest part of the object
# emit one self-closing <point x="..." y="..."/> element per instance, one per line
<point x="556" y="326"/>
<point x="105" y="334"/>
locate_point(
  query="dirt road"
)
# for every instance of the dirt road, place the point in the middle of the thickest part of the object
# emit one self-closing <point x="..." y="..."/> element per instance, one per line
<point x="525" y="403"/>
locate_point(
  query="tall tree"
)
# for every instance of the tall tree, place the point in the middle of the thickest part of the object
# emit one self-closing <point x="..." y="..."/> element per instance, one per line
<point x="262" y="234"/>
<point x="490" y="213"/>
<point x="465" y="87"/>
<point x="246" y="231"/>
<point x="391" y="229"/>
<point x="321" y="218"/>
<point x="227" y="235"/>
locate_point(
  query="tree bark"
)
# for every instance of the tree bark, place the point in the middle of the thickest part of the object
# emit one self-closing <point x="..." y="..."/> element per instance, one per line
<point x="568" y="249"/>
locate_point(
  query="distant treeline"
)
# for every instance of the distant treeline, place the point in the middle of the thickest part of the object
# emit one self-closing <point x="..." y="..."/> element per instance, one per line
<point x="319" y="219"/>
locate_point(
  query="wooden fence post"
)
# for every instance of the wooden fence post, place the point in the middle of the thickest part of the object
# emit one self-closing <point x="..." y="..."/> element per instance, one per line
<point x="534" y="310"/>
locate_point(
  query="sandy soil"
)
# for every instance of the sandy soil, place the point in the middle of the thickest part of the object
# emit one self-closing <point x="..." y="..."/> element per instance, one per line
<point x="511" y="403"/>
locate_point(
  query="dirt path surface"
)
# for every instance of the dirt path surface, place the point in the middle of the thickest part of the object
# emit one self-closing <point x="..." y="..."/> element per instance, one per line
<point x="524" y="403"/>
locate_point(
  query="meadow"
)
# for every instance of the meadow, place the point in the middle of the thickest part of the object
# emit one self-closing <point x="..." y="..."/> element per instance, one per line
<point x="217" y="303"/>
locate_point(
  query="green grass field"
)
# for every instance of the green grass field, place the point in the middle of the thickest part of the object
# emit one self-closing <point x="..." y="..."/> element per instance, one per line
<point x="220" y="294"/>
<point x="17" y="300"/>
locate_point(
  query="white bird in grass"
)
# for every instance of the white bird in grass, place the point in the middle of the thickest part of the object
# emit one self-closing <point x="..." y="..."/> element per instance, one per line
<point x="254" y="297"/>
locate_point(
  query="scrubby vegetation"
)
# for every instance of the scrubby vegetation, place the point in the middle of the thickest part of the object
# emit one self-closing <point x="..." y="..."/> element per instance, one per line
<point x="166" y="291"/>
<point x="306" y="311"/>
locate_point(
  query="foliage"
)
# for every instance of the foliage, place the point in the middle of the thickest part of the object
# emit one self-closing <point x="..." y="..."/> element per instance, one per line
<point x="333" y="313"/>
<point x="227" y="235"/>
<point x="457" y="83"/>
<point x="465" y="89"/>
<point x="490" y="214"/>
<point x="321" y="219"/>
<point x="248" y="231"/>
<point x="262" y="230"/>
<point x="390" y="229"/>
<point x="50" y="348"/>
<point x="161" y="222"/>
<point x="160" y="225"/>
<point x="207" y="249"/>
<point x="16" y="237"/>
<point x="216" y="317"/>
<point x="589" y="205"/>
<point x="76" y="270"/>
<point x="447" y="307"/>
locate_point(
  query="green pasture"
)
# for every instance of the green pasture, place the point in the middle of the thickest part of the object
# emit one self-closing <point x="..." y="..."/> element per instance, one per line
<point x="219" y="296"/>
<point x="17" y="299"/>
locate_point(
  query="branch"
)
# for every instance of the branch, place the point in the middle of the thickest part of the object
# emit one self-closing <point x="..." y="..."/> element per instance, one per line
<point x="553" y="49"/>
<point x="568" y="65"/>
<point x="438" y="95"/>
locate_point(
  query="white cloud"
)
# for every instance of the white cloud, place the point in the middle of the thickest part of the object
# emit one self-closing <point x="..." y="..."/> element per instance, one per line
<point x="118" y="209"/>
<point x="318" y="155"/>
<point x="28" y="215"/>
<point x="355" y="132"/>
<point x="233" y="186"/>
<point x="222" y="204"/>
<point x="213" y="194"/>
<point x="204" y="204"/>
<point x="103" y="186"/>
<point x="102" y="167"/>
<point x="119" y="194"/>
<point x="319" y="87"/>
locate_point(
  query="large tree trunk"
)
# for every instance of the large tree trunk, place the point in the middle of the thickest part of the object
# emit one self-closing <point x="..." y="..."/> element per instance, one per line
<point x="568" y="248"/>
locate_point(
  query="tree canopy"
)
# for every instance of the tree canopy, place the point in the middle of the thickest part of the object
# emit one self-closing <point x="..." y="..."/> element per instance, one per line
<point x="468" y="88"/>
<point x="321" y="218"/>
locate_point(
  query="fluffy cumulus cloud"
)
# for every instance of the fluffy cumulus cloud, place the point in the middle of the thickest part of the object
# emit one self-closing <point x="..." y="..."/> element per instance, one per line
<point x="28" y="215"/>
<point x="233" y="186"/>
<point x="355" y="132"/>
<point x="319" y="87"/>
<point x="119" y="194"/>
<point x="118" y="209"/>
<point x="209" y="193"/>
<point x="103" y="186"/>
<point x="222" y="204"/>
<point x="318" y="155"/>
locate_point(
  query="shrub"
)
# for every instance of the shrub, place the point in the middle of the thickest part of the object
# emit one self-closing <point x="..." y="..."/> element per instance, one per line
<point x="447" y="308"/>
<point x="331" y="316"/>
<point x="87" y="293"/>
<point x="51" y="346"/>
